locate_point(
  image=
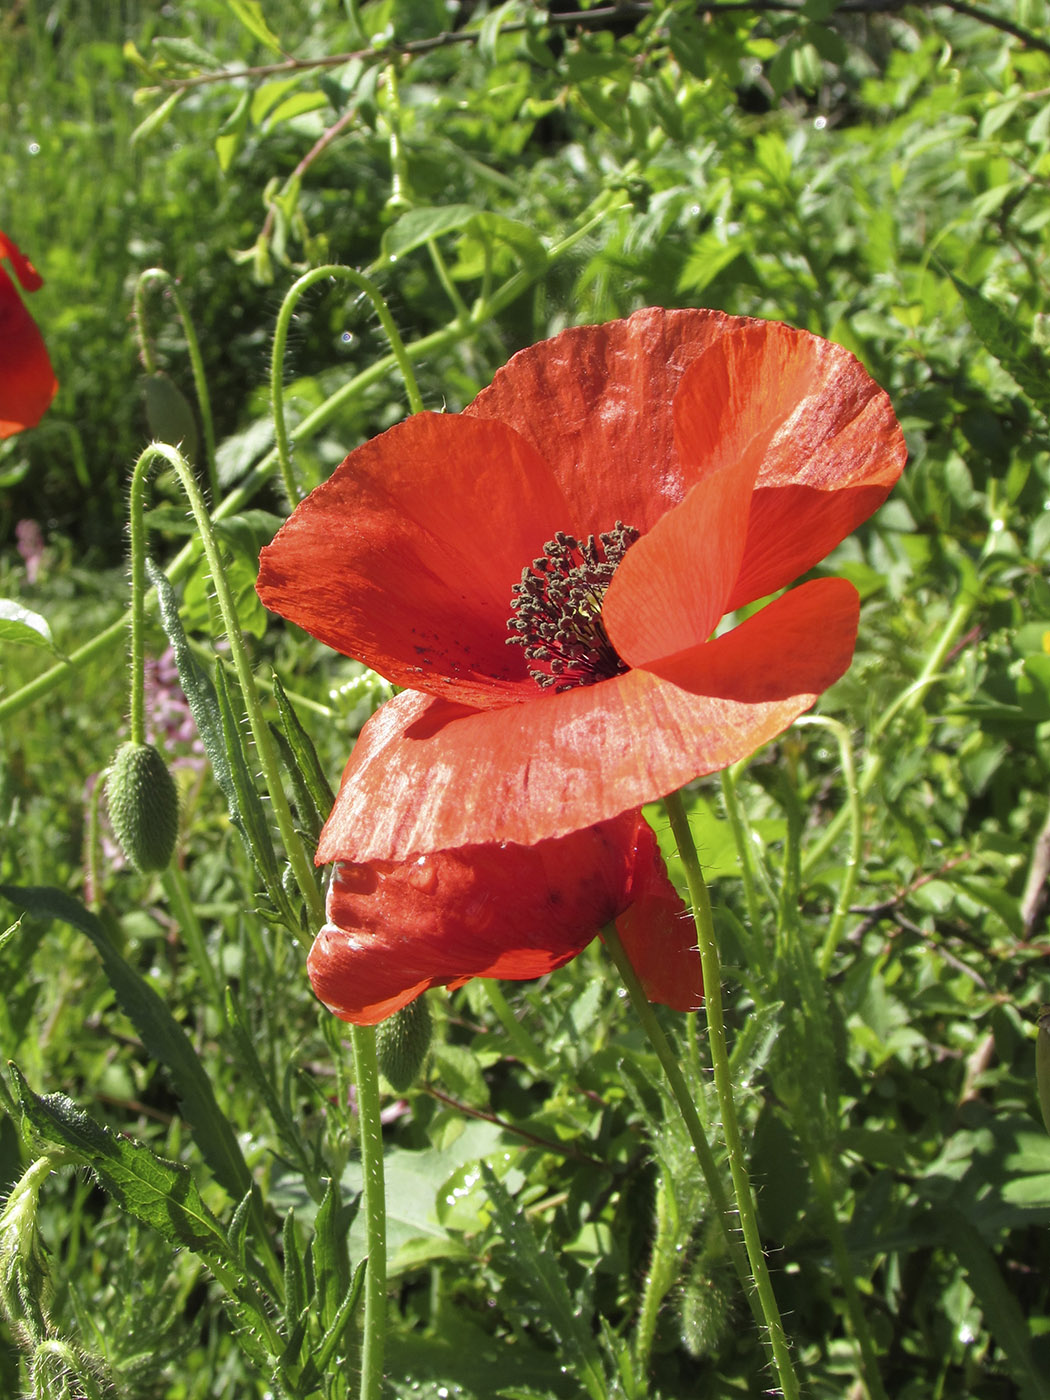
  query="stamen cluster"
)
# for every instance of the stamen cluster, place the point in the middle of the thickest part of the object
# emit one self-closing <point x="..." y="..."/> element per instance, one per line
<point x="558" y="609"/>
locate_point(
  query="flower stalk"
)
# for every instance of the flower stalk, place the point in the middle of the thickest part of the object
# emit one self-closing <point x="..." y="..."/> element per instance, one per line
<point x="745" y="1200"/>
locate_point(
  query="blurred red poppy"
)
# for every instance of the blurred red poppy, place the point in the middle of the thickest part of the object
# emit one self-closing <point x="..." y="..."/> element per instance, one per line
<point x="27" y="381"/>
<point x="601" y="507"/>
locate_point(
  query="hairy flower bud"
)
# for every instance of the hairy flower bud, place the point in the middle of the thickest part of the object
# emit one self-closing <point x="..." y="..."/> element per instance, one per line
<point x="143" y="806"/>
<point x="402" y="1042"/>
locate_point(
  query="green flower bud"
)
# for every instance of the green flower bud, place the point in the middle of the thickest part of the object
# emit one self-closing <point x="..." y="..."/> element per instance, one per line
<point x="402" y="1042"/>
<point x="143" y="806"/>
<point x="1042" y="1064"/>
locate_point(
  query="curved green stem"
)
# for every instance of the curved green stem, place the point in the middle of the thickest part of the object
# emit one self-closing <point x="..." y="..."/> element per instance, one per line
<point x="280" y="336"/>
<point x="302" y="868"/>
<point x="745" y="1200"/>
<point x="723" y="1207"/>
<point x="200" y="382"/>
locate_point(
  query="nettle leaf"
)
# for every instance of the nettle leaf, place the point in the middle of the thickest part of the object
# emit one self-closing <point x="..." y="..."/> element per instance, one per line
<point x="21" y="625"/>
<point x="161" y="1034"/>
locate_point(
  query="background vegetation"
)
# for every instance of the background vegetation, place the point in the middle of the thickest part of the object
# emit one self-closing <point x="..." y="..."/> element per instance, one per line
<point x="877" y="174"/>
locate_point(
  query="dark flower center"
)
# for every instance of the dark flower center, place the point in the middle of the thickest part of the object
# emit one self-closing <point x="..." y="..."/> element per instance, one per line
<point x="558" y="609"/>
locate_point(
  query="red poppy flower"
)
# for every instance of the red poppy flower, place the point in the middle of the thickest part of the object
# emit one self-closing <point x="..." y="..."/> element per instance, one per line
<point x="601" y="506"/>
<point x="27" y="381"/>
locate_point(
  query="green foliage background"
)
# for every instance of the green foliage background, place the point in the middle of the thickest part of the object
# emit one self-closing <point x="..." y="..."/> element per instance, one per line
<point x="880" y="176"/>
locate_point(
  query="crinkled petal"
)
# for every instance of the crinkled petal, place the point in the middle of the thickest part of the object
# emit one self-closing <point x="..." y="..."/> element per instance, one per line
<point x="407" y="556"/>
<point x="396" y="928"/>
<point x="27" y="381"/>
<point x="426" y="774"/>
<point x="595" y="403"/>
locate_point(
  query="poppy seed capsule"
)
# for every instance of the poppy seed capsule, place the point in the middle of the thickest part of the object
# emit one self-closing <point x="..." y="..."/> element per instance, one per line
<point x="143" y="806"/>
<point x="1042" y="1064"/>
<point x="402" y="1042"/>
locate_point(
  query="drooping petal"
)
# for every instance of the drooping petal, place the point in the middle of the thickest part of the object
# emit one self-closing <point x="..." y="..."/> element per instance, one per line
<point x="407" y="556"/>
<point x="396" y="928"/>
<point x="427" y="775"/>
<point x="774" y="650"/>
<point x="595" y="403"/>
<point x="27" y="381"/>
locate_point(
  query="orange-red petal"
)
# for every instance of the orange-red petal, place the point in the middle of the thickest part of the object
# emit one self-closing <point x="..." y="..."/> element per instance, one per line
<point x="396" y="928"/>
<point x="407" y="556"/>
<point x="595" y="403"/>
<point x="427" y="775"/>
<point x="27" y="381"/>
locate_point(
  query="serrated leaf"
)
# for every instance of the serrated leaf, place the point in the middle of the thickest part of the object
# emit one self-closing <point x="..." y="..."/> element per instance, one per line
<point x="250" y="14"/>
<point x="303" y="751"/>
<point x="537" y="1270"/>
<point x="329" y="1255"/>
<point x="333" y="1338"/>
<point x="1023" y="360"/>
<point x="22" y="625"/>
<point x="159" y="1193"/>
<point x="161" y="1034"/>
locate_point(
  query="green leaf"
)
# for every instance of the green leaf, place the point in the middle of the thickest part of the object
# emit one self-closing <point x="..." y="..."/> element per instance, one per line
<point x="184" y="53"/>
<point x="231" y="134"/>
<point x="19" y="624"/>
<point x="303" y="751"/>
<point x="329" y="1254"/>
<point x="418" y="226"/>
<point x="156" y="118"/>
<point x="159" y="1193"/>
<point x="1002" y="1312"/>
<point x="250" y="14"/>
<point x="1023" y="360"/>
<point x="538" y="1270"/>
<point x="161" y="1034"/>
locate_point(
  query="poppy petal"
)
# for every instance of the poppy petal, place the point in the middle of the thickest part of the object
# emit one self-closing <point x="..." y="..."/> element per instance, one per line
<point x="658" y="935"/>
<point x="407" y="556"/>
<point x="396" y="928"/>
<point x="595" y="403"/>
<point x="27" y="381"/>
<point x="673" y="584"/>
<point x="771" y="654"/>
<point x="426" y="774"/>
<point x="829" y="467"/>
